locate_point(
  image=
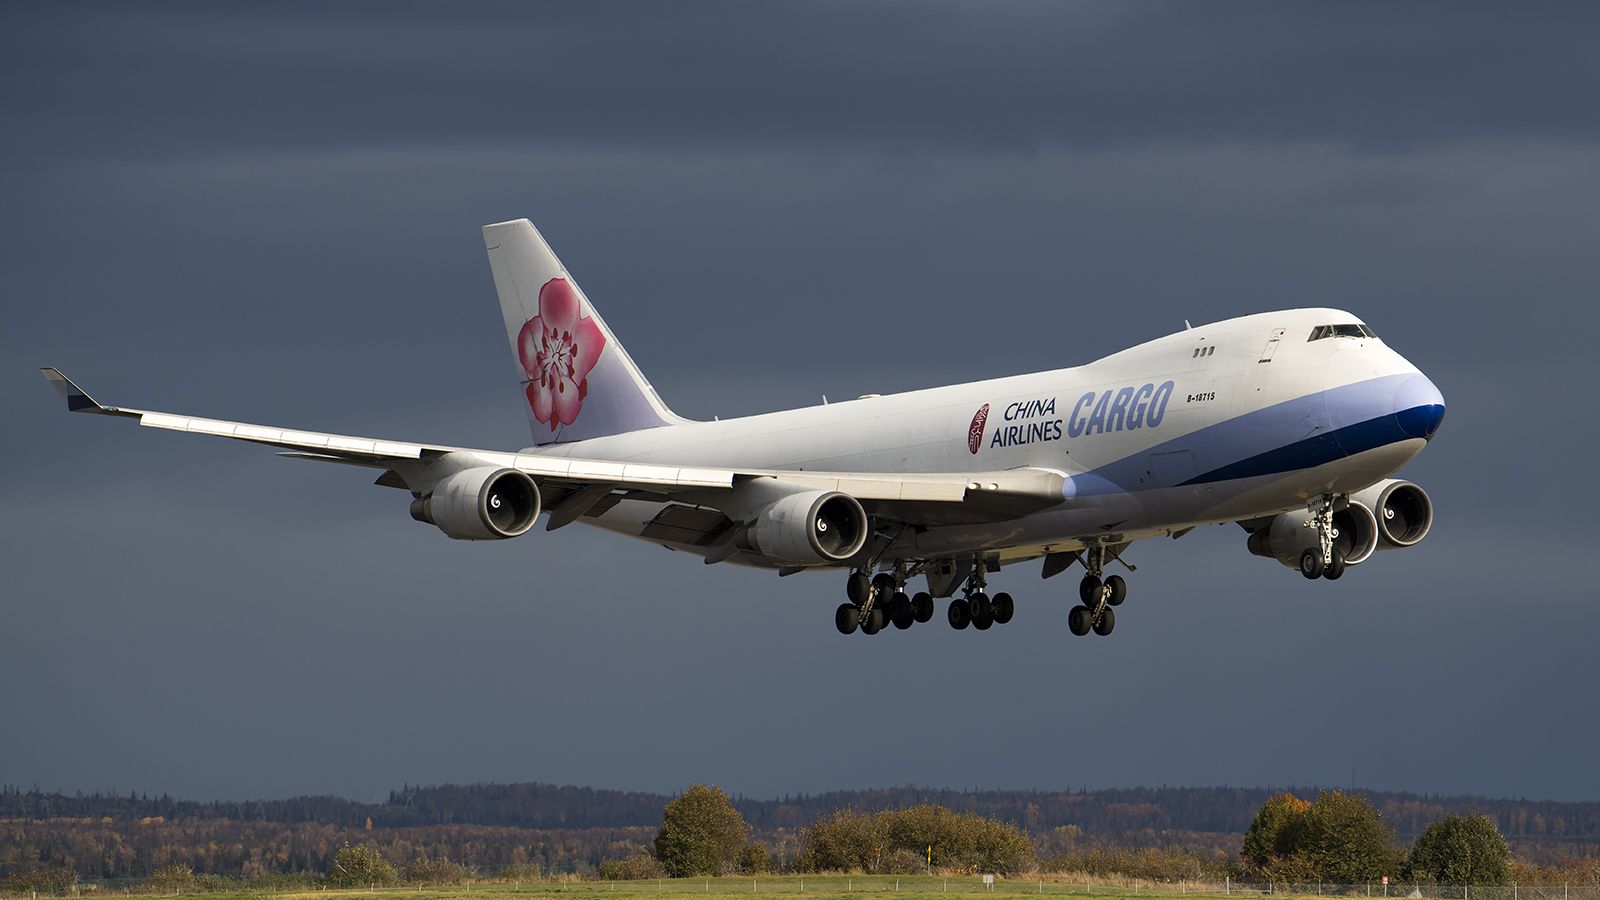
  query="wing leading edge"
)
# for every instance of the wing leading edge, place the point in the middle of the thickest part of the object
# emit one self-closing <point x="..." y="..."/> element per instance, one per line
<point x="985" y="493"/>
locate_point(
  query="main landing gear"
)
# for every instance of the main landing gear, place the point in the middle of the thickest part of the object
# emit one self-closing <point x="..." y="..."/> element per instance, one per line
<point x="1324" y="560"/>
<point x="875" y="602"/>
<point x="1098" y="594"/>
<point x="880" y="600"/>
<point x="977" y="608"/>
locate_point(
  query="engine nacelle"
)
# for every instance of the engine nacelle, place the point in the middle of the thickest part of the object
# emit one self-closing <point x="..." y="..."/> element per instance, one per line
<point x="1286" y="536"/>
<point x="809" y="528"/>
<point x="482" y="504"/>
<point x="1403" y="511"/>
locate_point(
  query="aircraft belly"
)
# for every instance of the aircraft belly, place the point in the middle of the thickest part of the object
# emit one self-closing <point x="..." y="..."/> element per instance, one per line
<point x="1163" y="510"/>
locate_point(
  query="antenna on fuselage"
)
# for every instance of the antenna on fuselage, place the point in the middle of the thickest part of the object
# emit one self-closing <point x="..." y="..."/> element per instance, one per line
<point x="1187" y="326"/>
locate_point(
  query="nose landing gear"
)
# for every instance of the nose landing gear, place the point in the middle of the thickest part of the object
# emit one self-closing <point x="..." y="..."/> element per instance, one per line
<point x="1325" y="560"/>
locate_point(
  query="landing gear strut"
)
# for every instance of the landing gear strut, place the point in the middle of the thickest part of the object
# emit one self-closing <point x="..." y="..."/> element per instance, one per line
<point x="1098" y="594"/>
<point x="877" y="601"/>
<point x="1325" y="560"/>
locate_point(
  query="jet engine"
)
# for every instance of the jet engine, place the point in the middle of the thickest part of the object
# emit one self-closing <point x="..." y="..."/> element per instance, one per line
<point x="810" y="527"/>
<point x="1387" y="516"/>
<point x="1403" y="512"/>
<point x="1286" y="536"/>
<point x="481" y="504"/>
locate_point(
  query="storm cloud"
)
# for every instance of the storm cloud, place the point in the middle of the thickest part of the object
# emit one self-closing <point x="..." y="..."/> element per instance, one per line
<point x="270" y="213"/>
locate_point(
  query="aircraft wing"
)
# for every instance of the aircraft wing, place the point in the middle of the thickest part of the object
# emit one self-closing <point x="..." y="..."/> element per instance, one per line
<point x="906" y="496"/>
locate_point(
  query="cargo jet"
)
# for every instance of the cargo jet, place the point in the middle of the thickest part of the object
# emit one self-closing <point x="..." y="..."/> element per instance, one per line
<point x="1288" y="423"/>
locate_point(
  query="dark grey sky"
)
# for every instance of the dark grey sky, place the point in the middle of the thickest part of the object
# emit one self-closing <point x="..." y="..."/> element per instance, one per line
<point x="271" y="213"/>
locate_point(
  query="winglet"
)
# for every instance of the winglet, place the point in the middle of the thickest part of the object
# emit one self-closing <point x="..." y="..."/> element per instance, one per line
<point x="77" y="399"/>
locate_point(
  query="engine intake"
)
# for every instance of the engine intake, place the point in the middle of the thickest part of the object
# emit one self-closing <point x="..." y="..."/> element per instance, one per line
<point x="482" y="504"/>
<point x="1403" y="510"/>
<point x="810" y="527"/>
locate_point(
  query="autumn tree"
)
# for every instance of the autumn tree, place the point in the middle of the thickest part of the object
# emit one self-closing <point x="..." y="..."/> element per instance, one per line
<point x="1338" y="837"/>
<point x="846" y="841"/>
<point x="1343" y="838"/>
<point x="1272" y="830"/>
<point x="701" y="833"/>
<point x="1464" y="849"/>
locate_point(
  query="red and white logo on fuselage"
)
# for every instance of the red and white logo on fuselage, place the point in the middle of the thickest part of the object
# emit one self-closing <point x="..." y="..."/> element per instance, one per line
<point x="975" y="430"/>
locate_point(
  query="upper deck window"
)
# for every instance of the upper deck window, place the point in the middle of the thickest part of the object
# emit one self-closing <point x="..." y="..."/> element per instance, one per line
<point x="1351" y="331"/>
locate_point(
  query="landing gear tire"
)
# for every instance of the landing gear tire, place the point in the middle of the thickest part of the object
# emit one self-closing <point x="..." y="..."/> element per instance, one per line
<point x="1004" y="608"/>
<point x="856" y="587"/>
<point x="1334" y="570"/>
<point x="1311" y="564"/>
<point x="922" y="607"/>
<point x="982" y="611"/>
<point x="847" y="619"/>
<point x="874" y="621"/>
<point x="1119" y="590"/>
<point x="1078" y="620"/>
<point x="1107" y="621"/>
<point x="900" y="612"/>
<point x="883" y="586"/>
<point x="960" y="614"/>
<point x="1089" y="590"/>
<point x="982" y="608"/>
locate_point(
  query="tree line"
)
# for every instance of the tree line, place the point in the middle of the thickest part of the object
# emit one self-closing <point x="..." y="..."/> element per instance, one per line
<point x="1137" y="816"/>
<point x="1334" y="837"/>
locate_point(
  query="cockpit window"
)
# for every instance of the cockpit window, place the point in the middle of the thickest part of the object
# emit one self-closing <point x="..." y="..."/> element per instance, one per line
<point x="1354" y="330"/>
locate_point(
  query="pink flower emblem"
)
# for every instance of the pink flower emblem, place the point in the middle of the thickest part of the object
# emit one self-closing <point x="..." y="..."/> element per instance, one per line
<point x="557" y="348"/>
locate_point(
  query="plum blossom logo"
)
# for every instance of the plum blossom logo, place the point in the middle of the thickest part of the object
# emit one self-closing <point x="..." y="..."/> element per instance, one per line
<point x="975" y="430"/>
<point x="558" y="347"/>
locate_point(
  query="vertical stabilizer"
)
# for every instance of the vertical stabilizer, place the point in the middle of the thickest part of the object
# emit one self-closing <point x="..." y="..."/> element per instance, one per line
<point x="578" y="382"/>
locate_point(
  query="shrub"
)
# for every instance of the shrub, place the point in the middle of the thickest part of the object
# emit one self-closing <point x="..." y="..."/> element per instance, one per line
<point x="56" y="880"/>
<point x="755" y="859"/>
<point x="173" y="879"/>
<point x="423" y="870"/>
<point x="521" y="873"/>
<point x="358" y="866"/>
<point x="1152" y="864"/>
<point x="636" y="868"/>
<point x="899" y="841"/>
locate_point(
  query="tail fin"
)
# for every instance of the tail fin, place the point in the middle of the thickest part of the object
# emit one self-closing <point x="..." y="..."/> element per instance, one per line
<point x="578" y="381"/>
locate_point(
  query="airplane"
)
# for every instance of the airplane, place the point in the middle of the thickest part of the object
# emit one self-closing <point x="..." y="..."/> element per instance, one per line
<point x="1288" y="423"/>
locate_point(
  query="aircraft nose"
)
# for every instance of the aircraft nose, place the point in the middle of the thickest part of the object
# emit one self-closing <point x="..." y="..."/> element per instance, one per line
<point x="1419" y="407"/>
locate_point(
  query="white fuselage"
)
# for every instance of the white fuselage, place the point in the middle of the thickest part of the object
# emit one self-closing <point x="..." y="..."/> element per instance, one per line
<point x="1256" y="418"/>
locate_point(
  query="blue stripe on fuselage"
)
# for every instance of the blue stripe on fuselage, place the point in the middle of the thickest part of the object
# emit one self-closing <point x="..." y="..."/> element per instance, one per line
<point x="1323" y="448"/>
<point x="1298" y="433"/>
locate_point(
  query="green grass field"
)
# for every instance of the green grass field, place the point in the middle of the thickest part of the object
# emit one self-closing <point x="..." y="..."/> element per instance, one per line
<point x="837" y="886"/>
